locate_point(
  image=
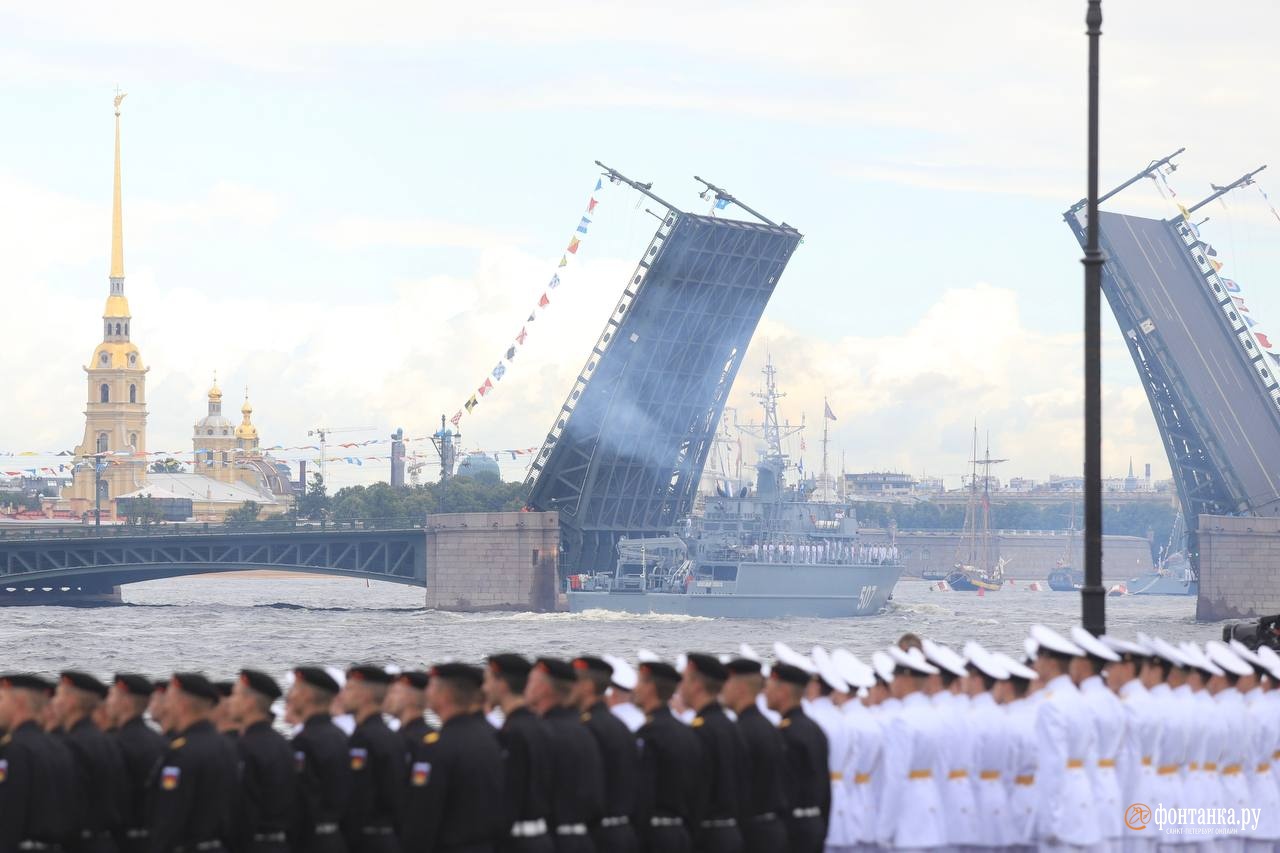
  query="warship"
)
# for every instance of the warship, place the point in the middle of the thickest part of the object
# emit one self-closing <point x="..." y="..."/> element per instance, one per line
<point x="765" y="550"/>
<point x="1173" y="573"/>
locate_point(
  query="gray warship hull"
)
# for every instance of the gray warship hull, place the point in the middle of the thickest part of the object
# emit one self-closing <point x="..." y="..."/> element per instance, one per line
<point x="761" y="591"/>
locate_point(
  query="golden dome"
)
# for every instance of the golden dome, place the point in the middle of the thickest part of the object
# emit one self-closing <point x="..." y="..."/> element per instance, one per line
<point x="215" y="393"/>
<point x="117" y="354"/>
<point x="247" y="430"/>
<point x="117" y="307"/>
<point x="246" y="408"/>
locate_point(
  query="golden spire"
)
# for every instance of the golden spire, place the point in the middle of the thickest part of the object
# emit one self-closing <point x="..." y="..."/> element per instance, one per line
<point x="247" y="430"/>
<point x="117" y="219"/>
<point x="215" y="393"/>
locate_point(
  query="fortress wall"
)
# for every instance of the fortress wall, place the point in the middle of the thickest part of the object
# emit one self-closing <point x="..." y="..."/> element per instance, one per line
<point x="480" y="561"/>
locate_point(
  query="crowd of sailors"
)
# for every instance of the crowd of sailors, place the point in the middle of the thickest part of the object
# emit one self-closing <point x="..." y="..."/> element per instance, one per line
<point x="788" y="550"/>
<point x="1084" y="743"/>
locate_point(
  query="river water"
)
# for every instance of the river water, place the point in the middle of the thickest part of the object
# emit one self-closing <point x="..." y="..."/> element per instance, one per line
<point x="219" y="624"/>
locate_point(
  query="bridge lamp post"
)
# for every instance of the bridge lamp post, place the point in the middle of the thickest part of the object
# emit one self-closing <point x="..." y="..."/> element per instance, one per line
<point x="1092" y="594"/>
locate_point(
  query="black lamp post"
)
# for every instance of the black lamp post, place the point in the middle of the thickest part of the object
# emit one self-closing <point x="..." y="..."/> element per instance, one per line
<point x="1092" y="595"/>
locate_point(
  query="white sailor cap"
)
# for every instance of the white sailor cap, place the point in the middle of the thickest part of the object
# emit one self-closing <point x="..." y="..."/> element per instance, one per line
<point x="1051" y="640"/>
<point x="913" y="660"/>
<point x="1164" y="649"/>
<point x="1016" y="669"/>
<point x="828" y="671"/>
<point x="985" y="662"/>
<point x="682" y="661"/>
<point x="883" y="665"/>
<point x="786" y="654"/>
<point x="646" y="656"/>
<point x="1221" y="654"/>
<point x="1092" y="645"/>
<point x="1195" y="657"/>
<point x="337" y="675"/>
<point x="1270" y="660"/>
<point x="1126" y="647"/>
<point x="852" y="670"/>
<point x="747" y="653"/>
<point x="943" y="658"/>
<point x="1030" y="647"/>
<point x="624" y="674"/>
<point x="1247" y="654"/>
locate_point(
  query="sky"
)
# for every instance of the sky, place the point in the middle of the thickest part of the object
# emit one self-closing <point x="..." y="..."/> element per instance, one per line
<point x="351" y="210"/>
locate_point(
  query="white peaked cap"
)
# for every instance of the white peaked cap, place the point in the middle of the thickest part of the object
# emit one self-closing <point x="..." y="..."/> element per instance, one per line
<point x="724" y="657"/>
<point x="1270" y="660"/>
<point x="913" y="660"/>
<point x="747" y="653"/>
<point x="985" y="661"/>
<point x="1047" y="638"/>
<point x="1091" y="644"/>
<point x="883" y="665"/>
<point x="828" y="671"/>
<point x="1247" y="654"/>
<point x="1030" y="647"/>
<point x="337" y="675"/>
<point x="1016" y="668"/>
<point x="682" y="660"/>
<point x="1126" y="647"/>
<point x="1195" y="656"/>
<point x="646" y="656"/>
<point x="852" y="670"/>
<point x="1221" y="654"/>
<point x="393" y="669"/>
<point x="624" y="674"/>
<point x="786" y="654"/>
<point x="1166" y="650"/>
<point x="941" y="656"/>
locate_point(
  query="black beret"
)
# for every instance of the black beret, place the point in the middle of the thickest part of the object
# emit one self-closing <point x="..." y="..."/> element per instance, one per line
<point x="86" y="682"/>
<point x="708" y="665"/>
<point x="316" y="677"/>
<point x="744" y="666"/>
<point x="224" y="688"/>
<point x="658" y="670"/>
<point x="416" y="679"/>
<point x="138" y="685"/>
<point x="509" y="663"/>
<point x="195" y="684"/>
<point x="790" y="674"/>
<point x="587" y="663"/>
<point x="558" y="669"/>
<point x="260" y="682"/>
<point x="369" y="673"/>
<point x="26" y="681"/>
<point x="463" y="672"/>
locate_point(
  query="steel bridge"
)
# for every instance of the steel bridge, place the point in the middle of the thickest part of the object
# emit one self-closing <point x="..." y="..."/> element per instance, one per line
<point x="95" y="561"/>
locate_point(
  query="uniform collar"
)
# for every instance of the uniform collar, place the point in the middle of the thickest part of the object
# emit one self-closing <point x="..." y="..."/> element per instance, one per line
<point x="797" y="711"/>
<point x="197" y="726"/>
<point x="915" y="699"/>
<point x="1062" y="682"/>
<point x="1132" y="687"/>
<point x="711" y="708"/>
<point x="318" y="719"/>
<point x="1093" y="684"/>
<point x="982" y="700"/>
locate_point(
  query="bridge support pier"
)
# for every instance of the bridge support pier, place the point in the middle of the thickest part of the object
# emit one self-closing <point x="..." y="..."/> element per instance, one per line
<point x="479" y="561"/>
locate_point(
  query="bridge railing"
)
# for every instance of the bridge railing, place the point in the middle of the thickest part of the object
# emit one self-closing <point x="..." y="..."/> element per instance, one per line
<point x="197" y="528"/>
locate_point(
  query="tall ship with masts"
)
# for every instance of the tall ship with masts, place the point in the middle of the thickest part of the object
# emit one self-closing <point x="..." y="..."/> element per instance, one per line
<point x="974" y="569"/>
<point x="761" y="550"/>
<point x="1065" y="577"/>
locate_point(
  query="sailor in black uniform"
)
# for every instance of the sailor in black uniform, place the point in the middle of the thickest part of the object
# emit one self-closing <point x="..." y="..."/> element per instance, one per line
<point x="765" y="800"/>
<point x="35" y="784"/>
<point x="321" y="762"/>
<point x="805" y="771"/>
<point x="268" y="780"/>
<point x="621" y="761"/>
<point x="192" y="793"/>
<point x="378" y="766"/>
<point x="724" y="756"/>
<point x="101" y="783"/>
<point x="455" y="774"/>
<point x="671" y="794"/>
<point x="526" y="755"/>
<point x="407" y="702"/>
<point x="140" y="747"/>
<point x="577" y="801"/>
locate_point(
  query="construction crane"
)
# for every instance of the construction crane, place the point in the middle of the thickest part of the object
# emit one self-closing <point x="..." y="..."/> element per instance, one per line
<point x="324" y="433"/>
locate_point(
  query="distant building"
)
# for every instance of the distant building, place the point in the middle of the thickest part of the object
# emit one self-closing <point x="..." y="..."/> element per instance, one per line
<point x="1022" y="484"/>
<point x="874" y="483"/>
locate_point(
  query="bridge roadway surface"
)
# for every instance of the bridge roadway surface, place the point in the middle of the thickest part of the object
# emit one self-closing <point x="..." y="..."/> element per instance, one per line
<point x="1194" y="329"/>
<point x="98" y="559"/>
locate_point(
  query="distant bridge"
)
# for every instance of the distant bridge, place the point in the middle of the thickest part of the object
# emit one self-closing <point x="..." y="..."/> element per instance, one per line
<point x="37" y="566"/>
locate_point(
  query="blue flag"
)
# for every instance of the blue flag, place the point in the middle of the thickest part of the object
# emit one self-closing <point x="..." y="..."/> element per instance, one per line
<point x="722" y="203"/>
<point x="599" y="184"/>
<point x="582" y="226"/>
<point x="555" y="282"/>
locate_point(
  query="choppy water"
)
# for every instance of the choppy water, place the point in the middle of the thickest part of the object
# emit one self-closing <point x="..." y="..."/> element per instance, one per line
<point x="219" y="624"/>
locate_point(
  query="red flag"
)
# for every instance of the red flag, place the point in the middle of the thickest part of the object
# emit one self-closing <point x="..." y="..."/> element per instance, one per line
<point x="456" y="418"/>
<point x="486" y="387"/>
<point x="544" y="301"/>
<point x="573" y="245"/>
<point x="592" y="205"/>
<point x="520" y="337"/>
<point x="1263" y="340"/>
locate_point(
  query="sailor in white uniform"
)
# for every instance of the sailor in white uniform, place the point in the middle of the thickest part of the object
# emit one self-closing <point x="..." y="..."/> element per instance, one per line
<point x="1202" y="782"/>
<point x="956" y="768"/>
<point x="1068" y="817"/>
<point x="863" y="772"/>
<point x="1135" y="763"/>
<point x="1024" y="753"/>
<point x="1236" y="759"/>
<point x="618" y="697"/>
<point x="1109" y="729"/>
<point x="911" y="815"/>
<point x="988" y="725"/>
<point x="1173" y="699"/>
<point x="880" y="698"/>
<point x="824" y="691"/>
<point x="1264" y="729"/>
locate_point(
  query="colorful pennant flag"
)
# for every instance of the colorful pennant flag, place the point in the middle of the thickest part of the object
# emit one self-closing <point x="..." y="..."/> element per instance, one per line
<point x="511" y="354"/>
<point x="591" y="205"/>
<point x="555" y="281"/>
<point x="582" y="226"/>
<point x="499" y="371"/>
<point x="1230" y="285"/>
<point x="722" y="203"/>
<point x="471" y="403"/>
<point x="544" y="301"/>
<point x="564" y="262"/>
<point x="1263" y="340"/>
<point x="828" y="414"/>
<point x="457" y="418"/>
<point x="520" y="337"/>
<point x="573" y="245"/>
<point x="599" y="184"/>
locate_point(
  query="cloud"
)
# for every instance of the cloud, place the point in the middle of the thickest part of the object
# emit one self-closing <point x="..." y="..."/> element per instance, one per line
<point x="359" y="232"/>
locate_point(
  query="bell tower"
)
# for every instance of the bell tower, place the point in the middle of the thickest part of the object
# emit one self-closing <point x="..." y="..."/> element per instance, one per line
<point x="115" y="434"/>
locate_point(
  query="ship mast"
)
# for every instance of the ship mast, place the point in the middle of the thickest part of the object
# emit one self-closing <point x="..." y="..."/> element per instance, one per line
<point x="986" y="462"/>
<point x="770" y="431"/>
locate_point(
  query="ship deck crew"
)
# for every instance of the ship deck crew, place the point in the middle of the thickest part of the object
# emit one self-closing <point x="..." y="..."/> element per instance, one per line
<point x="321" y="761"/>
<point x="1020" y="724"/>
<point x="956" y="770"/>
<point x="577" y="801"/>
<point x="863" y="772"/>
<point x="911" y="814"/>
<point x="724" y="756"/>
<point x="764" y="800"/>
<point x="1109" y="729"/>
<point x="268" y="778"/>
<point x="36" y="784"/>
<point x="192" y="794"/>
<point x="140" y="747"/>
<point x="621" y="682"/>
<point x="407" y="702"/>
<point x="1068" y="817"/>
<point x="1135" y="762"/>
<point x="378" y="767"/>
<point x="824" y="689"/>
<point x="670" y="794"/>
<point x="806" y="775"/>
<point x="456" y="773"/>
<point x="101" y="783"/>
<point x="526" y="756"/>
<point x="620" y="761"/>
<point x="988" y="691"/>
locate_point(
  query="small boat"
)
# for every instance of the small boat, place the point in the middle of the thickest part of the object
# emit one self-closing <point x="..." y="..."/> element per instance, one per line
<point x="934" y="574"/>
<point x="1065" y="577"/>
<point x="971" y="579"/>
